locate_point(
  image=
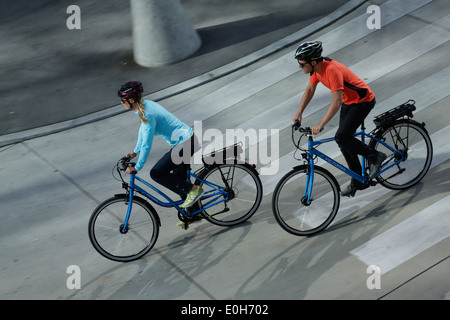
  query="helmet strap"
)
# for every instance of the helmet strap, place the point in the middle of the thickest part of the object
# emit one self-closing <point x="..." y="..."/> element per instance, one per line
<point x="310" y="63"/>
<point x="312" y="72"/>
<point x="131" y="104"/>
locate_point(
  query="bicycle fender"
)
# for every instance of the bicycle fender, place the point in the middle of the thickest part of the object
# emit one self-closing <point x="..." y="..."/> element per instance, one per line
<point x="245" y="164"/>
<point x="420" y="124"/>
<point x="301" y="166"/>
<point x="251" y="167"/>
<point x="379" y="131"/>
<point x="144" y="202"/>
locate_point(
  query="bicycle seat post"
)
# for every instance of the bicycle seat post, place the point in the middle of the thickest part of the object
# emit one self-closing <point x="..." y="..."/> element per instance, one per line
<point x="363" y="159"/>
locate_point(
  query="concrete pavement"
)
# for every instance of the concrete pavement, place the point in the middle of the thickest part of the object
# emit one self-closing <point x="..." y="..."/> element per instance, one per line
<point x="55" y="181"/>
<point x="53" y="74"/>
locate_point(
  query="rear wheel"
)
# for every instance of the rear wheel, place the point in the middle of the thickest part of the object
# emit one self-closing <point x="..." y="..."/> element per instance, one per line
<point x="239" y="197"/>
<point x="415" y="150"/>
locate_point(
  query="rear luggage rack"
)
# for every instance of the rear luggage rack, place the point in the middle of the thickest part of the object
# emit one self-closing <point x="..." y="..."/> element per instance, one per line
<point x="405" y="109"/>
<point x="226" y="155"/>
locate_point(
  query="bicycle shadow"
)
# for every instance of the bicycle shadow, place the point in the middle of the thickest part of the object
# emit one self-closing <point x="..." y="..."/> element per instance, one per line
<point x="293" y="272"/>
<point x="435" y="182"/>
<point x="390" y="203"/>
<point x="171" y="269"/>
<point x="168" y="271"/>
<point x="290" y="274"/>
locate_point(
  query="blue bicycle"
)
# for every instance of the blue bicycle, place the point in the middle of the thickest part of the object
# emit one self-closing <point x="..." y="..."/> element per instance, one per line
<point x="306" y="199"/>
<point x="125" y="227"/>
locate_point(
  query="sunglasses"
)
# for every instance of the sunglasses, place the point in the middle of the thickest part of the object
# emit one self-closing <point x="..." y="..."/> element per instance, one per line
<point x="302" y="64"/>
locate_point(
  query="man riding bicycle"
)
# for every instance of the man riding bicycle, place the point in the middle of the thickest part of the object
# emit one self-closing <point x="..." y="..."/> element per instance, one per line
<point x="352" y="96"/>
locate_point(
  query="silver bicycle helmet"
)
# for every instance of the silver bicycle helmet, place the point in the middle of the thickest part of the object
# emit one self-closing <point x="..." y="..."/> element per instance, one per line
<point x="309" y="51"/>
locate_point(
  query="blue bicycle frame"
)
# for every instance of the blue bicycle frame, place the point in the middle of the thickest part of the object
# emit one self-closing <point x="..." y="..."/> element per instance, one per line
<point x="216" y="193"/>
<point x="312" y="151"/>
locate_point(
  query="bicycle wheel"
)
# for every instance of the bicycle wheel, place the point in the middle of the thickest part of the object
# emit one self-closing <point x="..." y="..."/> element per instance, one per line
<point x="243" y="196"/>
<point x="292" y="212"/>
<point x="106" y="229"/>
<point x="413" y="141"/>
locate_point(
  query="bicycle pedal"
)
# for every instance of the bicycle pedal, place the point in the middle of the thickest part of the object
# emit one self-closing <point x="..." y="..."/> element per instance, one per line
<point x="184" y="225"/>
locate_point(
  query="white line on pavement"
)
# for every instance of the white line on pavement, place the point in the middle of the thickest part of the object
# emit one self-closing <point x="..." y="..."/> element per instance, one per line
<point x="407" y="239"/>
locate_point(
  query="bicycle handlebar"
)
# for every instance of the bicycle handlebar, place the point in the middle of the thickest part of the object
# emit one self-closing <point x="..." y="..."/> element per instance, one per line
<point x="297" y="127"/>
<point x="124" y="163"/>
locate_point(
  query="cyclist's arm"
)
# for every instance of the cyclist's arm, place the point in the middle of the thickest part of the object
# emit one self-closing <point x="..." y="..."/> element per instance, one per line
<point x="145" y="140"/>
<point x="336" y="103"/>
<point x="307" y="96"/>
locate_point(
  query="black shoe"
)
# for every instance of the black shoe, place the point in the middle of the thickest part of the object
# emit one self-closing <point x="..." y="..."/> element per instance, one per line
<point x="376" y="166"/>
<point x="352" y="188"/>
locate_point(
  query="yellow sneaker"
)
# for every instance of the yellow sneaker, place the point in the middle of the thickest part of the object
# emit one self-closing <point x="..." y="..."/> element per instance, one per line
<point x="192" y="197"/>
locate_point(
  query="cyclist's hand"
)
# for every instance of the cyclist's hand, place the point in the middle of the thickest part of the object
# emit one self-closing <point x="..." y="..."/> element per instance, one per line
<point x="131" y="154"/>
<point x="131" y="170"/>
<point x="297" y="117"/>
<point x="316" y="129"/>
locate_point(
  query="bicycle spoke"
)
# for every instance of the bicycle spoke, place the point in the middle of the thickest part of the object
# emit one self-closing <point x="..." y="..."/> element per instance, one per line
<point x="409" y="138"/>
<point x="110" y="239"/>
<point x="242" y="194"/>
<point x="291" y="211"/>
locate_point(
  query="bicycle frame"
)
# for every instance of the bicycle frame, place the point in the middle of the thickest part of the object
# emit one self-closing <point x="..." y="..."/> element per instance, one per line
<point x="312" y="151"/>
<point x="215" y="193"/>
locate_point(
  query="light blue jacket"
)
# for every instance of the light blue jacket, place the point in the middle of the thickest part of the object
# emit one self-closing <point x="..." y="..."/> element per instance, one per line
<point x="160" y="123"/>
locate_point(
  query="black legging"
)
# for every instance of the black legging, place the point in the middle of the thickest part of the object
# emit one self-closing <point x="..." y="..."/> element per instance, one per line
<point x="171" y="174"/>
<point x="351" y="117"/>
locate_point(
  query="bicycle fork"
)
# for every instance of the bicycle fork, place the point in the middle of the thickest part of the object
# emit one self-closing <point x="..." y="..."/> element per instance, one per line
<point x="306" y="199"/>
<point x="130" y="194"/>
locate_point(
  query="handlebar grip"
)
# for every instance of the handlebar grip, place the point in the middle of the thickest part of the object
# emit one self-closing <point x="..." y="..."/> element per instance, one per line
<point x="123" y="163"/>
<point x="296" y="125"/>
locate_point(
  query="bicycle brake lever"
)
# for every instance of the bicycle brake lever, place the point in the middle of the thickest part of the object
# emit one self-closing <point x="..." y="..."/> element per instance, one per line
<point x="306" y="130"/>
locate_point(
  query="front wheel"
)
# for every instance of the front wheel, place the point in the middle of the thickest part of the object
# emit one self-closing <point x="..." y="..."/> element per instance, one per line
<point x="232" y="194"/>
<point x="122" y="243"/>
<point x="300" y="211"/>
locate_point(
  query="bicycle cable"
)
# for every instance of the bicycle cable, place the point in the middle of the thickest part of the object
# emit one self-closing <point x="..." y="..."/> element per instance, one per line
<point x="298" y="147"/>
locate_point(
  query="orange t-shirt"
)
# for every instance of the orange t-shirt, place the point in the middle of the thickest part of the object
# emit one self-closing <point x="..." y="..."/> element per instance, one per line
<point x="336" y="76"/>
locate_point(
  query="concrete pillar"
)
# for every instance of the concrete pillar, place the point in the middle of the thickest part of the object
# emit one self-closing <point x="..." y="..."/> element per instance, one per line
<point x="162" y="34"/>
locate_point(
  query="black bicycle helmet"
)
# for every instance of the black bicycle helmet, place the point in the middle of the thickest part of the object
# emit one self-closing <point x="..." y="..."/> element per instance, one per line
<point x="131" y="90"/>
<point x="309" y="51"/>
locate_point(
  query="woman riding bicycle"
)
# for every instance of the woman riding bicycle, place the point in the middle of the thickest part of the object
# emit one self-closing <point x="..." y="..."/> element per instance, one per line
<point x="170" y="170"/>
<point x="352" y="96"/>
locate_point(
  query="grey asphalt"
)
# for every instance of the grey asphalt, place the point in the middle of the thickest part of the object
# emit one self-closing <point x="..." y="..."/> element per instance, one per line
<point x="51" y="74"/>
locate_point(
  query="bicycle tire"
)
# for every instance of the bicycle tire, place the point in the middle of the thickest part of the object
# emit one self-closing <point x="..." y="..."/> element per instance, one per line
<point x="106" y="223"/>
<point x="292" y="212"/>
<point x="412" y="138"/>
<point x="245" y="194"/>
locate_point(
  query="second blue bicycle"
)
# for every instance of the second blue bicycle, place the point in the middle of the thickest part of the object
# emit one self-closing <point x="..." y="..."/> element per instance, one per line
<point x="306" y="199"/>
